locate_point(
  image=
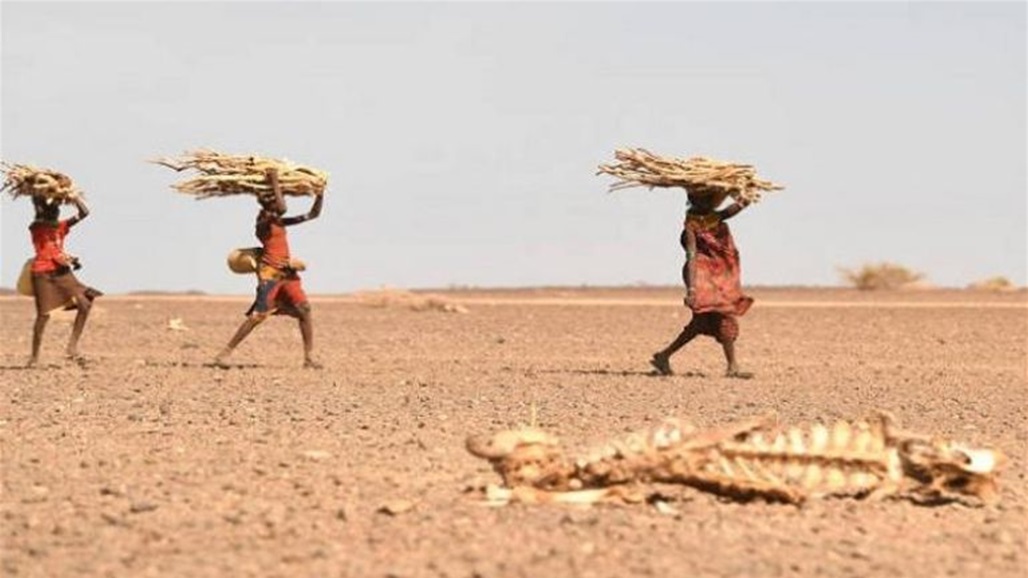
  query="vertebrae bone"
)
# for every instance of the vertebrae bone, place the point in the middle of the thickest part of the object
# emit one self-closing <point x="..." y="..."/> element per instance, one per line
<point x="753" y="458"/>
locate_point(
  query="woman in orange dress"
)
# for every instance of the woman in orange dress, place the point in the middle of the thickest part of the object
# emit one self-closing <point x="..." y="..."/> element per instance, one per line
<point x="712" y="280"/>
<point x="54" y="286"/>
<point x="279" y="289"/>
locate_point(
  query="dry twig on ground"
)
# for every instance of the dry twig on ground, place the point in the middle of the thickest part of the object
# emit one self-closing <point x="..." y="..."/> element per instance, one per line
<point x="637" y="167"/>
<point x="29" y="181"/>
<point x="224" y="174"/>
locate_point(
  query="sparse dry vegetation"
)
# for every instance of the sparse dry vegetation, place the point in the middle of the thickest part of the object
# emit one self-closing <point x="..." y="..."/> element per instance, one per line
<point x="390" y="297"/>
<point x="998" y="283"/>
<point x="881" y="276"/>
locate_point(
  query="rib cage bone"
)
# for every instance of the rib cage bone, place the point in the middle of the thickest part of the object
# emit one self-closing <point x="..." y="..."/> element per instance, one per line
<point x="753" y="458"/>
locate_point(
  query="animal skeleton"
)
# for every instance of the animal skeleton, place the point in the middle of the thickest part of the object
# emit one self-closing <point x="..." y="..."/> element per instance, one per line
<point x="753" y="458"/>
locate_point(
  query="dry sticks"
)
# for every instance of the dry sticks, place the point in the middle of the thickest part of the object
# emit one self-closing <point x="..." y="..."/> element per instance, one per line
<point x="637" y="167"/>
<point x="29" y="181"/>
<point x="223" y="174"/>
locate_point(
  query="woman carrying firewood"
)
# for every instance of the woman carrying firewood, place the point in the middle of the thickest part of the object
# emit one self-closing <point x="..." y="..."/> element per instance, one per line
<point x="279" y="290"/>
<point x="54" y="286"/>
<point x="712" y="280"/>
<point x="711" y="270"/>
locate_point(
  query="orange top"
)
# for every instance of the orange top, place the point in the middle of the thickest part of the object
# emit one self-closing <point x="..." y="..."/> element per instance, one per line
<point x="48" y="240"/>
<point x="272" y="235"/>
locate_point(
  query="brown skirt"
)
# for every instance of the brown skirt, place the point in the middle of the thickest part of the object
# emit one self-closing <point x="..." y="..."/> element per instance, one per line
<point x="58" y="290"/>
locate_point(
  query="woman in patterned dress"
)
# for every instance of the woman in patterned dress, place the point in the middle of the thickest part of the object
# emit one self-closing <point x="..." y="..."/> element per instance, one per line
<point x="712" y="280"/>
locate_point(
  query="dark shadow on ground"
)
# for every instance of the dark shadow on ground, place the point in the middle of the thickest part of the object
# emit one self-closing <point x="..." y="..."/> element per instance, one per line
<point x="619" y="372"/>
<point x="223" y="365"/>
<point x="24" y="367"/>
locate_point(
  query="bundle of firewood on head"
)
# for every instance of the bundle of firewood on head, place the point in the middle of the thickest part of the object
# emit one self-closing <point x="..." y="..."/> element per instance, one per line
<point x="699" y="176"/>
<point x="222" y="175"/>
<point x="38" y="183"/>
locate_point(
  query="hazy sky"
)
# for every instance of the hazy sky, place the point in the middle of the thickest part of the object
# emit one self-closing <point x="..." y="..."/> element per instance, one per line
<point x="462" y="138"/>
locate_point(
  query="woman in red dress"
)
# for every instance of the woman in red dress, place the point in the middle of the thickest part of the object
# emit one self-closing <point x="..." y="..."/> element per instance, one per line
<point x="279" y="290"/>
<point x="54" y="286"/>
<point x="712" y="281"/>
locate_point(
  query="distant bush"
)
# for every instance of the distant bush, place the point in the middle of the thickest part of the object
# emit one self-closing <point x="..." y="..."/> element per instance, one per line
<point x="389" y="297"/>
<point x="875" y="276"/>
<point x="998" y="283"/>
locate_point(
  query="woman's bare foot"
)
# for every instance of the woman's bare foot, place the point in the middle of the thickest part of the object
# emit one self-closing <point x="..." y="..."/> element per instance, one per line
<point x="737" y="373"/>
<point x="662" y="364"/>
<point x="311" y="364"/>
<point x="79" y="360"/>
<point x="220" y="362"/>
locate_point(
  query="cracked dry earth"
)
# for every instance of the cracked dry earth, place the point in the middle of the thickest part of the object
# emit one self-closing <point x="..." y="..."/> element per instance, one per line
<point x="144" y="462"/>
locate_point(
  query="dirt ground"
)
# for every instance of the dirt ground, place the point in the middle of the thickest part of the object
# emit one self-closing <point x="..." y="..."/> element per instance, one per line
<point x="144" y="462"/>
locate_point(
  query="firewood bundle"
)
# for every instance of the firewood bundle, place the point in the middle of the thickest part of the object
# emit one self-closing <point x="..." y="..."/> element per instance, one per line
<point x="224" y="174"/>
<point x="700" y="176"/>
<point x="29" y="181"/>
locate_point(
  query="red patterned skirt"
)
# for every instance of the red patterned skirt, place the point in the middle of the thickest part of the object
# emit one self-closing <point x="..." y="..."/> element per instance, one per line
<point x="717" y="287"/>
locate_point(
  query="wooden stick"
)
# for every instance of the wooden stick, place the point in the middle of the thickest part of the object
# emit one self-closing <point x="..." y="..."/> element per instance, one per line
<point x="698" y="175"/>
<point x="223" y="174"/>
<point x="22" y="180"/>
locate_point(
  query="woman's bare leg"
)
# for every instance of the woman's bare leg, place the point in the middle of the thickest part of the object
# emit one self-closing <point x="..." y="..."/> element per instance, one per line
<point x="307" y="332"/>
<point x="733" y="366"/>
<point x="244" y="330"/>
<point x="37" y="337"/>
<point x="727" y="333"/>
<point x="84" y="305"/>
<point x="661" y="360"/>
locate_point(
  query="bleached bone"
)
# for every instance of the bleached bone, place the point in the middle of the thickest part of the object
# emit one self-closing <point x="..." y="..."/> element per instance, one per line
<point x="752" y="458"/>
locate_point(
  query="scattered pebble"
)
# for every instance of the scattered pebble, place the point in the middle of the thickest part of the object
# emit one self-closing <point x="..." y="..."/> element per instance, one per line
<point x="396" y="507"/>
<point x="665" y="508"/>
<point x="316" y="455"/>
<point x="141" y="507"/>
<point x="176" y="324"/>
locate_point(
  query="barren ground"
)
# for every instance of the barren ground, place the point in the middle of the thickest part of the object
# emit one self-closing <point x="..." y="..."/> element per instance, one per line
<point x="144" y="462"/>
